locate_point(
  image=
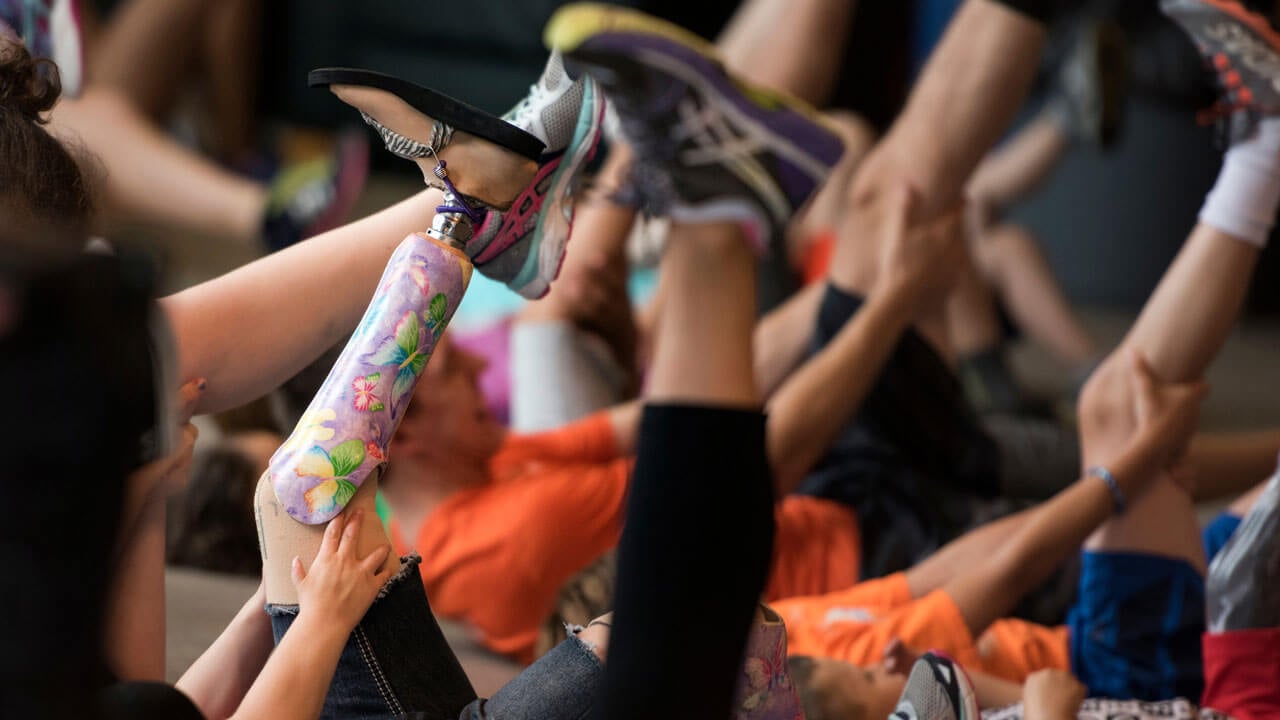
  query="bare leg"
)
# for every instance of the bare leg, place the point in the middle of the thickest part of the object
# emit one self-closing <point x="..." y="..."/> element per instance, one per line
<point x="1179" y="331"/>
<point x="230" y="71"/>
<point x="574" y="350"/>
<point x="971" y="312"/>
<point x="1011" y="261"/>
<point x="976" y="78"/>
<point x="703" y="353"/>
<point x="827" y="209"/>
<point x="770" y="43"/>
<point x="147" y="48"/>
<point x="151" y="179"/>
<point x="1228" y="464"/>
<point x="1015" y="169"/>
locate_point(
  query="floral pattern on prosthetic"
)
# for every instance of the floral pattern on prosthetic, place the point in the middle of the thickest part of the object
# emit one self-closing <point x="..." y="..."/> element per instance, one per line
<point x="344" y="434"/>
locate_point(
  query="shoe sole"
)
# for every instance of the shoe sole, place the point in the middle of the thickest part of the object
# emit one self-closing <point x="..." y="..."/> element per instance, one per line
<point x="1234" y="10"/>
<point x="1194" y="14"/>
<point x="574" y="24"/>
<point x="776" y="119"/>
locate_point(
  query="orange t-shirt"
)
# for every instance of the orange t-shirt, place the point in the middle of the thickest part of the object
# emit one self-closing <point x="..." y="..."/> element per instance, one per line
<point x="855" y="625"/>
<point x="497" y="555"/>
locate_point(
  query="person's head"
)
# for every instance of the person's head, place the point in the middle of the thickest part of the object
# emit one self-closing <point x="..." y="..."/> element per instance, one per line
<point x="835" y="690"/>
<point x="448" y="420"/>
<point x="43" y="189"/>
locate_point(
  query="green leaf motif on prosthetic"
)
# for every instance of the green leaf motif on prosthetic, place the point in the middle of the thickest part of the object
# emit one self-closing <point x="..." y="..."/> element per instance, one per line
<point x="347" y="457"/>
<point x="435" y="313"/>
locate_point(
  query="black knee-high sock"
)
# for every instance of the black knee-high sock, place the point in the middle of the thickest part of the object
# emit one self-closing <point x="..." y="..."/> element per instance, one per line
<point x="692" y="563"/>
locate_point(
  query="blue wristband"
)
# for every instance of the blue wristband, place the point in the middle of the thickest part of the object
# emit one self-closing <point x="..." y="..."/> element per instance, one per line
<point x="1117" y="495"/>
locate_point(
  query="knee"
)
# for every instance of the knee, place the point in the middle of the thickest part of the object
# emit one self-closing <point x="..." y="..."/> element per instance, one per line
<point x="1105" y="406"/>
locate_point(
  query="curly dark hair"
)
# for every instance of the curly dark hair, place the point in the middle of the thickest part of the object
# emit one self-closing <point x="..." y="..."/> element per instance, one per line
<point x="43" y="188"/>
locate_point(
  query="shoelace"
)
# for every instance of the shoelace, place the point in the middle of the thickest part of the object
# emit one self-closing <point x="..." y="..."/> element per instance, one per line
<point x="535" y="96"/>
<point x="649" y="183"/>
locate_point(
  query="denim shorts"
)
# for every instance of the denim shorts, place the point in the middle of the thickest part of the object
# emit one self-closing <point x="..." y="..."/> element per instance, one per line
<point x="561" y="685"/>
<point x="396" y="662"/>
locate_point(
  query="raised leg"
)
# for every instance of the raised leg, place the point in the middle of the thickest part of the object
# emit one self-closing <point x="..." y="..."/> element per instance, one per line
<point x="152" y="180"/>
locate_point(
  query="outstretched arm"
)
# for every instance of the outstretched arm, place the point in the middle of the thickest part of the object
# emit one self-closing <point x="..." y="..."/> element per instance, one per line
<point x="253" y="328"/>
<point x="810" y="408"/>
<point x="219" y="679"/>
<point x="1167" y="416"/>
<point x="332" y="598"/>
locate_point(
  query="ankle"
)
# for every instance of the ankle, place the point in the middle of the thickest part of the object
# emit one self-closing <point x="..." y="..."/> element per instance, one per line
<point x="1246" y="196"/>
<point x="482" y="170"/>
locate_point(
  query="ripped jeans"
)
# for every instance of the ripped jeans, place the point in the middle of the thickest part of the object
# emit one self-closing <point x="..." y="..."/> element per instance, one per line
<point x="397" y="664"/>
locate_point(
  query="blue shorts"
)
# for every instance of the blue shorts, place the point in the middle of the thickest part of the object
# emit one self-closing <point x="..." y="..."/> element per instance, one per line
<point x="1217" y="533"/>
<point x="1136" y="626"/>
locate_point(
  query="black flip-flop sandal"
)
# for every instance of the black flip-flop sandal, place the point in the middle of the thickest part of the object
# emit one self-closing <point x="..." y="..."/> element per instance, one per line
<point x="454" y="113"/>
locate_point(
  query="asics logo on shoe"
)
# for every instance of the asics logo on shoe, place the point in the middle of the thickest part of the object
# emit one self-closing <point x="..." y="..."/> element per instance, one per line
<point x="1254" y="55"/>
<point x="715" y="142"/>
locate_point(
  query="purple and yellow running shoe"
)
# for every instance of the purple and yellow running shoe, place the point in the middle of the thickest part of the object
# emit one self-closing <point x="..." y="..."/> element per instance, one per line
<point x="707" y="145"/>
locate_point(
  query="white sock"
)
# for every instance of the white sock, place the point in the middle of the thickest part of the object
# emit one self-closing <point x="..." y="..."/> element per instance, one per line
<point x="1245" y="198"/>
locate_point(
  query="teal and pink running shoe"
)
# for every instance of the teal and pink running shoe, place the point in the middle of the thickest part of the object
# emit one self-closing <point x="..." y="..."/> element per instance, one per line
<point x="524" y="246"/>
<point x="708" y="146"/>
<point x="558" y="125"/>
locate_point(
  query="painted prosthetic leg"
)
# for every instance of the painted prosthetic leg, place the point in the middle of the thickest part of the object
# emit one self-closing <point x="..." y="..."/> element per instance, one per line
<point x="343" y="438"/>
<point x="344" y="434"/>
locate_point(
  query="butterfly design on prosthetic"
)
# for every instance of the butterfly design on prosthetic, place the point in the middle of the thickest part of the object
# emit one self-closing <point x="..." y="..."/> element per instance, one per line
<point x="344" y="434"/>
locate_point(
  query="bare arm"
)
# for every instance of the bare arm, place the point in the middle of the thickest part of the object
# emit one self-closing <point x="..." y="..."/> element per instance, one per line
<point x="251" y="329"/>
<point x="136" y="623"/>
<point x="783" y="336"/>
<point x="135" y="634"/>
<point x="1052" y="695"/>
<point x="332" y="597"/>
<point x="811" y="407"/>
<point x="994" y="692"/>
<point x="916" y="266"/>
<point x="219" y="679"/>
<point x="1058" y="527"/>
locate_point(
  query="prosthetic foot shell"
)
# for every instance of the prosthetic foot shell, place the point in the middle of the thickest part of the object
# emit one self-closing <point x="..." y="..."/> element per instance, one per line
<point x="345" y="432"/>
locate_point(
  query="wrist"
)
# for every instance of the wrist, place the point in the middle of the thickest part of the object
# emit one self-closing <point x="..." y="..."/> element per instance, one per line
<point x="323" y="626"/>
<point x="896" y="298"/>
